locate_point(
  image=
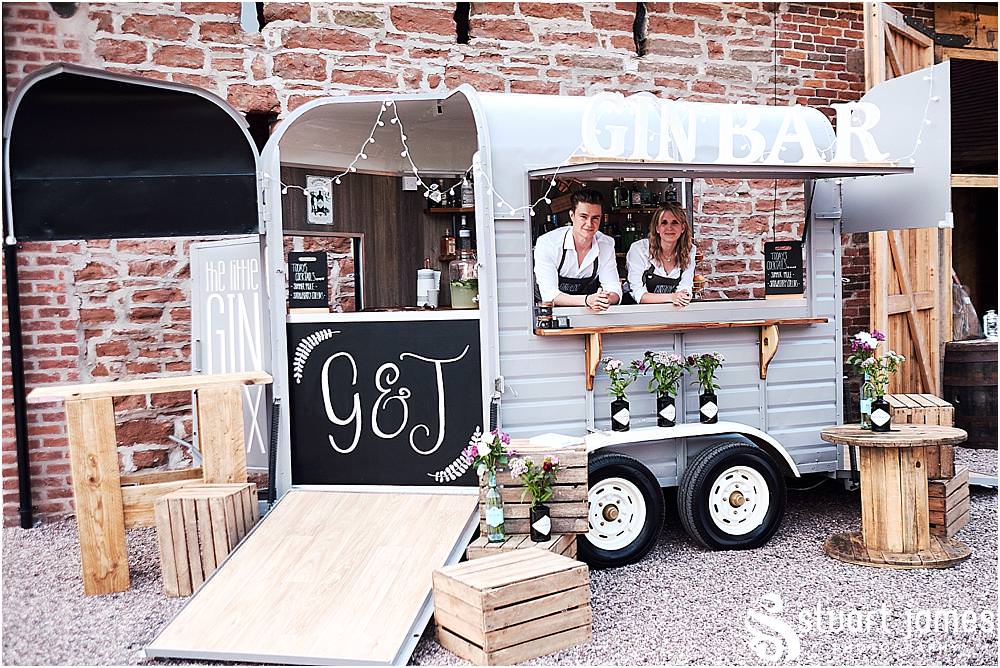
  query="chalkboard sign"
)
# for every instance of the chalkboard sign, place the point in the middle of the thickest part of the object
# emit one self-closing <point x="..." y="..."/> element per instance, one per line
<point x="783" y="268"/>
<point x="385" y="402"/>
<point x="307" y="281"/>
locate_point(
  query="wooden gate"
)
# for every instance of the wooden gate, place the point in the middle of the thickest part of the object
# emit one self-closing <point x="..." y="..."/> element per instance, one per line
<point x="910" y="269"/>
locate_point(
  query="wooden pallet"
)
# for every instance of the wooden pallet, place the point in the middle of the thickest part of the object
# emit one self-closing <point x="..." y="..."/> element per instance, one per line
<point x="927" y="409"/>
<point x="564" y="544"/>
<point x="512" y="607"/>
<point x="568" y="505"/>
<point x="941" y="553"/>
<point x="949" y="503"/>
<point x="197" y="527"/>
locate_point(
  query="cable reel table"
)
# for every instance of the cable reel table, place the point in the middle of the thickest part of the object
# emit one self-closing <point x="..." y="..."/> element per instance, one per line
<point x="895" y="524"/>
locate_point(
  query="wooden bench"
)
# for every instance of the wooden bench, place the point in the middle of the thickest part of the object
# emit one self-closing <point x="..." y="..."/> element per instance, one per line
<point x="197" y="527"/>
<point x="512" y="607"/>
<point x="564" y="544"/>
<point x="104" y="508"/>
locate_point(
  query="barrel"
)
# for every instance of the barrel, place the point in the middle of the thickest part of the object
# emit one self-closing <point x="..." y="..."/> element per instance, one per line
<point x="970" y="385"/>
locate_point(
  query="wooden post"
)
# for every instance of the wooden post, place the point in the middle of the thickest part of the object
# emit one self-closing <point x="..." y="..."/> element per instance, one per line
<point x="220" y="433"/>
<point x="97" y="495"/>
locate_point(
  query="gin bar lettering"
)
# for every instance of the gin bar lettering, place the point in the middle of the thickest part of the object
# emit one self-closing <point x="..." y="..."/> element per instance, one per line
<point x="307" y="280"/>
<point x="783" y="268"/>
<point x="384" y="402"/>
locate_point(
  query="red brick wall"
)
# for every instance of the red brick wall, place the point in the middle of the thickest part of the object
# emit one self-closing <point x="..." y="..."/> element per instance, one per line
<point x="105" y="310"/>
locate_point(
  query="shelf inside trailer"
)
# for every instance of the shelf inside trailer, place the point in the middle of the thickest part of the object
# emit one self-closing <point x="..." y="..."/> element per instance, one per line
<point x="592" y="342"/>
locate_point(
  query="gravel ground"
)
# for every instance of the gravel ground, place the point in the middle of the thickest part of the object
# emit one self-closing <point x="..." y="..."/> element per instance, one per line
<point x="978" y="460"/>
<point x="680" y="605"/>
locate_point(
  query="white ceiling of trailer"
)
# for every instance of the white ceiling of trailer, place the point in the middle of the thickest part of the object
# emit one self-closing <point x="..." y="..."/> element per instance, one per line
<point x="441" y="136"/>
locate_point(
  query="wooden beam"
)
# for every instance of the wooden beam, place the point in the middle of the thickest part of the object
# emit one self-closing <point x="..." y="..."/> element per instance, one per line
<point x="97" y="495"/>
<point x="916" y="335"/>
<point x="592" y="356"/>
<point x="879" y="265"/>
<point x="124" y="388"/>
<point x="948" y="53"/>
<point x="220" y="433"/>
<point x="150" y="477"/>
<point x="768" y="347"/>
<point x="138" y="501"/>
<point x="890" y="52"/>
<point x="901" y="303"/>
<point x="894" y="19"/>
<point x="678" y="326"/>
<point x="973" y="181"/>
<point x="874" y="45"/>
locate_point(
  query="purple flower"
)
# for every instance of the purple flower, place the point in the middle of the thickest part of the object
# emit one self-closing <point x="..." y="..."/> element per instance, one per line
<point x="504" y="436"/>
<point x="470" y="453"/>
<point x="877" y="335"/>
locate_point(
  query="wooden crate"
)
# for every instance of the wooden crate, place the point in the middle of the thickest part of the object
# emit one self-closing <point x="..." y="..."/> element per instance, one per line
<point x="197" y="527"/>
<point x="564" y="544"/>
<point x="512" y="607"/>
<point x="949" y="503"/>
<point x="568" y="505"/>
<point x="927" y="409"/>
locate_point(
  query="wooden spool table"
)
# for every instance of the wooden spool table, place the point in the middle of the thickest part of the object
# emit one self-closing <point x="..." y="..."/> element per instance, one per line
<point x="895" y="529"/>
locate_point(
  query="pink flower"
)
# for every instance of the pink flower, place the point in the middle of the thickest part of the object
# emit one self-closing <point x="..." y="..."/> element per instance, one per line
<point x="470" y="453"/>
<point x="877" y="335"/>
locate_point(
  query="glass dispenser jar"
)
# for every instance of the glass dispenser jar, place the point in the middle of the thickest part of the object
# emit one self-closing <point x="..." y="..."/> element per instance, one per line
<point x="464" y="277"/>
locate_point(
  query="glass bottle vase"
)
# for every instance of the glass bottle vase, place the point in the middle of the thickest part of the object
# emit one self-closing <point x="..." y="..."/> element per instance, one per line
<point x="494" y="510"/>
<point x="867" y="396"/>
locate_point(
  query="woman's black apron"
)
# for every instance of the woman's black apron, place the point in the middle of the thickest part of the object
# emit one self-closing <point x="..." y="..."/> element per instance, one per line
<point x="658" y="285"/>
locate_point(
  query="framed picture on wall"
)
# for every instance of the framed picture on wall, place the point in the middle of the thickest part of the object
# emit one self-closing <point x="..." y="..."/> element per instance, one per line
<point x="319" y="193"/>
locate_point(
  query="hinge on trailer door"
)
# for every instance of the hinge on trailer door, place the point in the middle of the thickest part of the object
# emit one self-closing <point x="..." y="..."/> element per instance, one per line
<point x="498" y="385"/>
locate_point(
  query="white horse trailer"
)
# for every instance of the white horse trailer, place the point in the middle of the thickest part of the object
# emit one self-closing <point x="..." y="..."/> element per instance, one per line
<point x="390" y="395"/>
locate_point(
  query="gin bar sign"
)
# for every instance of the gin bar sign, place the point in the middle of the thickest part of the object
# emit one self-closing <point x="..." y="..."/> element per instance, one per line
<point x="645" y="127"/>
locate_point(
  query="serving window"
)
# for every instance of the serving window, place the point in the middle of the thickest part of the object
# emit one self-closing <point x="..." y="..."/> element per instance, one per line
<point x="749" y="236"/>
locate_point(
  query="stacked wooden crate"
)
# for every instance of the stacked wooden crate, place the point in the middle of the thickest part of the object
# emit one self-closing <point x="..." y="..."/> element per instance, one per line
<point x="949" y="503"/>
<point x="568" y="505"/>
<point x="560" y="543"/>
<point x="512" y="607"/>
<point x="197" y="527"/>
<point x="947" y="486"/>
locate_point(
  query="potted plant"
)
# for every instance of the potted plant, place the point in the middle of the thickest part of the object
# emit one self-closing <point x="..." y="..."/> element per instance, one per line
<point x="621" y="376"/>
<point x="878" y="369"/>
<point x="488" y="452"/>
<point x="537" y="480"/>
<point x="667" y="369"/>
<point x="707" y="364"/>
<point x="863" y="347"/>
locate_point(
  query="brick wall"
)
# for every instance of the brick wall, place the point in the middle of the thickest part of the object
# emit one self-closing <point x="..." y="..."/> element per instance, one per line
<point x="107" y="309"/>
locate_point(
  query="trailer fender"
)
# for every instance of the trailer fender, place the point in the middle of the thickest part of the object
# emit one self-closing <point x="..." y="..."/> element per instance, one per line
<point x="619" y="441"/>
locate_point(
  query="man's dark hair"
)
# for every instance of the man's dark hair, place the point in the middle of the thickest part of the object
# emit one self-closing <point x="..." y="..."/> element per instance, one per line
<point x="585" y="196"/>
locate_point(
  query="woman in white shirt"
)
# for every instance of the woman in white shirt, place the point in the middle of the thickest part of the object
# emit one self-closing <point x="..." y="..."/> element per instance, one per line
<point x="661" y="267"/>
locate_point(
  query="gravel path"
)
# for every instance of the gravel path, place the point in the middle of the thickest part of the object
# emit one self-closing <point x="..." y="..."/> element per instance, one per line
<point x="982" y="460"/>
<point x="680" y="605"/>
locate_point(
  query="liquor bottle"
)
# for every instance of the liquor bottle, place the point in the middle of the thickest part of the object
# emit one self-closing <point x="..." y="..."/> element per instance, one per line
<point x="620" y="196"/>
<point x="468" y="194"/>
<point x="635" y="196"/>
<point x="644" y="195"/>
<point x="464" y="236"/>
<point x="671" y="193"/>
<point x="448" y="247"/>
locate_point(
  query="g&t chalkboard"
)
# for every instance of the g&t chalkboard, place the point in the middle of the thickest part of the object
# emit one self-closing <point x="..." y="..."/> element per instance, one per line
<point x="307" y="281"/>
<point x="783" y="273"/>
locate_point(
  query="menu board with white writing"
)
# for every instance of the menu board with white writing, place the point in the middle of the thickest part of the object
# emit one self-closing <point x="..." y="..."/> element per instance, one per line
<point x="783" y="273"/>
<point x="307" y="280"/>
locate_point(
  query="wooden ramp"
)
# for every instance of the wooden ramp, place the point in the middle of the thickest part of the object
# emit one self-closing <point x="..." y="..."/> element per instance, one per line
<point x="327" y="577"/>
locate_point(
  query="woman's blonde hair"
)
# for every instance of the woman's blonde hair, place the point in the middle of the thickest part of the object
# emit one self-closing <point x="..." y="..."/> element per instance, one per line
<point x="682" y="252"/>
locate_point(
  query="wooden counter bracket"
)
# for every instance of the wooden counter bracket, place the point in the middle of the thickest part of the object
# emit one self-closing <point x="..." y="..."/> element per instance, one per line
<point x="592" y="342"/>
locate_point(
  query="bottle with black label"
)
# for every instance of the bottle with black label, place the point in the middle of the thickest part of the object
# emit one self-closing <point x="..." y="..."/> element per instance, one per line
<point x="620" y="196"/>
<point x="464" y="236"/>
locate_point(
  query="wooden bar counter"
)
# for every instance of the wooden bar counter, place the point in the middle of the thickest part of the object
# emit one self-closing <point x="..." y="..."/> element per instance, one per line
<point x="894" y="506"/>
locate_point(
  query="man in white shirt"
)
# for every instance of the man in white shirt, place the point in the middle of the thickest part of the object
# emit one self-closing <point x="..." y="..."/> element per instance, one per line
<point x="575" y="266"/>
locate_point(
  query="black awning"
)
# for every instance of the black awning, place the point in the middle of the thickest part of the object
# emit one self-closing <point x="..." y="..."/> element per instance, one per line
<point x="98" y="156"/>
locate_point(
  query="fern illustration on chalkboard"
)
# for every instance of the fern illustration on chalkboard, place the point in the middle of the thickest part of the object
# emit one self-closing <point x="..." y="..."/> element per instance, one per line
<point x="458" y="467"/>
<point x="304" y="349"/>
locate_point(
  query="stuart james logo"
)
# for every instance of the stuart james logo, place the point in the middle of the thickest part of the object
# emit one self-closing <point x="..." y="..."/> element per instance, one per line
<point x="771" y="638"/>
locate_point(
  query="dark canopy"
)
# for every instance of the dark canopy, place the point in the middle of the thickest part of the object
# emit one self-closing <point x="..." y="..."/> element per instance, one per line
<point x="94" y="155"/>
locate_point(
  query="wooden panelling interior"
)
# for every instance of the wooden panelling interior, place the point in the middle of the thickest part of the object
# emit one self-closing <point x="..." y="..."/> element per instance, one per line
<point x="398" y="235"/>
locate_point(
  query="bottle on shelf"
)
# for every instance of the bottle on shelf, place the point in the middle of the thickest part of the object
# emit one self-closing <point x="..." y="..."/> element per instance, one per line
<point x="463" y="276"/>
<point x="635" y="196"/>
<point x="464" y="236"/>
<point x="670" y="195"/>
<point x="467" y="192"/>
<point x="645" y="196"/>
<point x="449" y="248"/>
<point x="620" y="196"/>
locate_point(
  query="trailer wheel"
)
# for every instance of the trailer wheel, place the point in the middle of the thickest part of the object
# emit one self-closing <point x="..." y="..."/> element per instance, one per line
<point x="731" y="497"/>
<point x="625" y="512"/>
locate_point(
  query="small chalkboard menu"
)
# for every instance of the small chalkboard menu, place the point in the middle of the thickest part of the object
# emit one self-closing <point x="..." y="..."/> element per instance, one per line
<point x="783" y="273"/>
<point x="307" y="281"/>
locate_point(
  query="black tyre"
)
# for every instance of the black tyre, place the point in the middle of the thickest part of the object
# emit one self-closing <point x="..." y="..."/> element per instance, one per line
<point x="626" y="512"/>
<point x="731" y="497"/>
